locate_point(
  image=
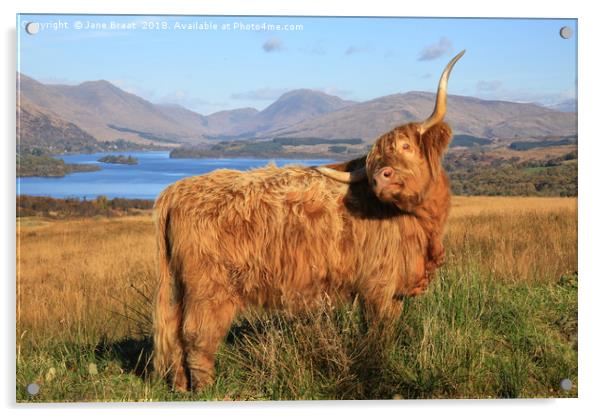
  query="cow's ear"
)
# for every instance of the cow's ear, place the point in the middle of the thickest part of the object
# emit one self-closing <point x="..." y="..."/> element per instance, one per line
<point x="434" y="143"/>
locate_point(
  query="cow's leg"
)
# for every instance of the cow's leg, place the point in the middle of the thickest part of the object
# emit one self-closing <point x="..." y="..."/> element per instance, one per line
<point x="423" y="273"/>
<point x="206" y="322"/>
<point x="168" y="350"/>
<point x="380" y="308"/>
<point x="179" y="381"/>
<point x="436" y="252"/>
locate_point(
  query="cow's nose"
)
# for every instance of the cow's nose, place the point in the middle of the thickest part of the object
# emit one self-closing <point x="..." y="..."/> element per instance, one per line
<point x="383" y="177"/>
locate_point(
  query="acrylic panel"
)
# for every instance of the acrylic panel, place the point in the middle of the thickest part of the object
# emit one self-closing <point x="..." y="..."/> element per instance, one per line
<point x="295" y="208"/>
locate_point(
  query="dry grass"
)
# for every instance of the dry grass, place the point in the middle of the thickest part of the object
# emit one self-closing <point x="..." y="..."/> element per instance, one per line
<point x="514" y="238"/>
<point x="472" y="206"/>
<point x="87" y="282"/>
<point x="75" y="275"/>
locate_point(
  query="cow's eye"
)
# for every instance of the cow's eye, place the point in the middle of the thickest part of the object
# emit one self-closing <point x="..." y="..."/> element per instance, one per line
<point x="406" y="146"/>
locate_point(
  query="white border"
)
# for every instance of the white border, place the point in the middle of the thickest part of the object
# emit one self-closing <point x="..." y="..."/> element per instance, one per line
<point x="589" y="214"/>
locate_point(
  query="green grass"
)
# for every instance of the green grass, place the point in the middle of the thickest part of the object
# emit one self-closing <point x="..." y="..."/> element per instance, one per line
<point x="469" y="336"/>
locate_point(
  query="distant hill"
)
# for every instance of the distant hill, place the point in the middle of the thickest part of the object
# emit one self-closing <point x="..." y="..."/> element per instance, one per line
<point x="230" y="123"/>
<point x="100" y="108"/>
<point x="569" y="106"/>
<point x="43" y="130"/>
<point x="467" y="115"/>
<point x="292" y="107"/>
<point x="184" y="117"/>
<point x="105" y="112"/>
<point x="297" y="106"/>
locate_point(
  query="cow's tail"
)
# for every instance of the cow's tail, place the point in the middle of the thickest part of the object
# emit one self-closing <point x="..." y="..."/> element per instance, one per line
<point x="168" y="304"/>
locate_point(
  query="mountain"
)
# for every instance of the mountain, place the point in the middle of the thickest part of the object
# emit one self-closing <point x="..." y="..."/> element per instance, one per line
<point x="232" y="122"/>
<point x="467" y="115"/>
<point x="103" y="111"/>
<point x="569" y="105"/>
<point x="108" y="113"/>
<point x="184" y="117"/>
<point x="297" y="106"/>
<point x="292" y="107"/>
<point x="40" y="129"/>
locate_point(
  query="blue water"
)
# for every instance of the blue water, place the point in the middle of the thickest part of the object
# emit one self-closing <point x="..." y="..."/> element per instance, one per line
<point x="155" y="170"/>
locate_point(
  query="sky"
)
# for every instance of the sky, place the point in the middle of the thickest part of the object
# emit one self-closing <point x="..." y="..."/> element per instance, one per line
<point x="213" y="63"/>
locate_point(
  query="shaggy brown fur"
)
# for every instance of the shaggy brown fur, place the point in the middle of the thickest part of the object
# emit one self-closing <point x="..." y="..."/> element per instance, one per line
<point x="288" y="237"/>
<point x="285" y="238"/>
<point x="420" y="185"/>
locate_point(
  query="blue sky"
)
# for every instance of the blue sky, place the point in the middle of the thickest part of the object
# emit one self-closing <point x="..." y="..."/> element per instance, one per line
<point x="207" y="70"/>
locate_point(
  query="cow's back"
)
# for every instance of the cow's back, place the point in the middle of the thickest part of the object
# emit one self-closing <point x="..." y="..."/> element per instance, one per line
<point x="276" y="232"/>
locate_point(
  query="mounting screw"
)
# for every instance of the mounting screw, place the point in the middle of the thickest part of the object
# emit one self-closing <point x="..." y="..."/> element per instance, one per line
<point x="566" y="384"/>
<point x="566" y="32"/>
<point x="32" y="28"/>
<point x="33" y="388"/>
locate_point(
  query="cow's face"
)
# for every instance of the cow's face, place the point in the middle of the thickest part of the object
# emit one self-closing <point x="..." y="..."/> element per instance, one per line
<point x="403" y="163"/>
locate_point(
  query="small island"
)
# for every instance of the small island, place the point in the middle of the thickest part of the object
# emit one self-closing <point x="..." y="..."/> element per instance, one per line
<point x="119" y="159"/>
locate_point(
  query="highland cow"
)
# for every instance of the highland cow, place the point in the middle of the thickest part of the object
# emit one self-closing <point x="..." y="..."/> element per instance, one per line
<point x="286" y="237"/>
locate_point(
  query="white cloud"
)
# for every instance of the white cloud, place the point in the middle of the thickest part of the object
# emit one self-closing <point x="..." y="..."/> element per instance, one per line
<point x="132" y="87"/>
<point x="435" y="50"/>
<point x="260" y="94"/>
<point x="184" y="99"/>
<point x="335" y="91"/>
<point x="355" y="49"/>
<point x="492" y="85"/>
<point x="527" y="96"/>
<point x="57" y="80"/>
<point x="272" y="45"/>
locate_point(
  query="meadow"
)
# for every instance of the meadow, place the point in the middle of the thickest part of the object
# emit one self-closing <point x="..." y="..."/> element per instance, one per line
<point x="499" y="320"/>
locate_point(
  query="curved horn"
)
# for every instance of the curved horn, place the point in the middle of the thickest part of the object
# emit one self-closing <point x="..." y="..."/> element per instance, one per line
<point x="342" y="176"/>
<point x="441" y="103"/>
